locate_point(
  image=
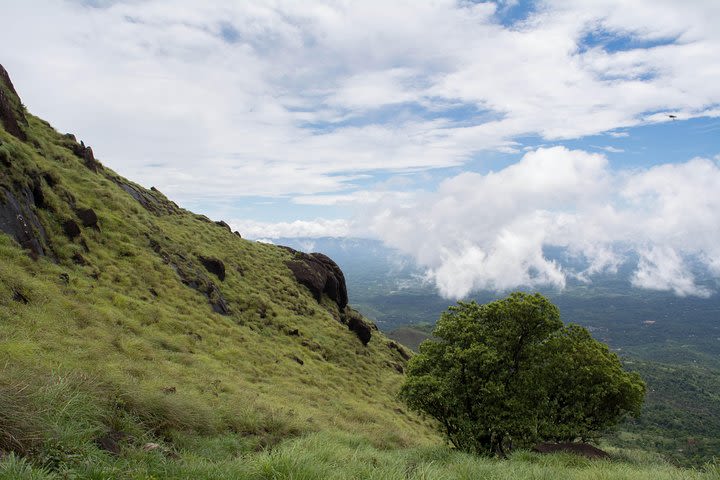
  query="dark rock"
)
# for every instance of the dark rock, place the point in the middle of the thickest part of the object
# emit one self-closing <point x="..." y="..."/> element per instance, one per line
<point x="237" y="233"/>
<point x="297" y="359"/>
<point x="294" y="332"/>
<point x="169" y="390"/>
<point x="38" y="194"/>
<point x="152" y="200"/>
<point x="82" y="152"/>
<point x="362" y="328"/>
<point x="582" y="449"/>
<point x="320" y="275"/>
<point x="20" y="298"/>
<point x="65" y="278"/>
<point x="88" y="217"/>
<point x="153" y="292"/>
<point x="12" y="114"/>
<point x="110" y="442"/>
<point x="224" y="225"/>
<point x="18" y="220"/>
<point x="90" y="161"/>
<point x="191" y="276"/>
<point x="217" y="301"/>
<point x="78" y="259"/>
<point x="214" y="265"/>
<point x="71" y="228"/>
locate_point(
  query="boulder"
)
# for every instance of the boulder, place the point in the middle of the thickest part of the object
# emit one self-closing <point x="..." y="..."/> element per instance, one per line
<point x="320" y="274"/>
<point x="357" y="324"/>
<point x="87" y="217"/>
<point x="361" y="328"/>
<point x="71" y="228"/>
<point x="582" y="449"/>
<point x="224" y="225"/>
<point x="214" y="265"/>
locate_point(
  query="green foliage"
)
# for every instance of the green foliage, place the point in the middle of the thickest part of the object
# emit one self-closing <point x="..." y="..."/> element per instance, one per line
<point x="509" y="373"/>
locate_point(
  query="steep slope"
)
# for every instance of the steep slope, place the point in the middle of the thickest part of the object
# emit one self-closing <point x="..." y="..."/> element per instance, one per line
<point x="166" y="322"/>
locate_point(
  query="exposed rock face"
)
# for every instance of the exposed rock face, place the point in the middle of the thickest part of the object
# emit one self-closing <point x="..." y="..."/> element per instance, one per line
<point x="192" y="276"/>
<point x="221" y="223"/>
<point x="320" y="275"/>
<point x="582" y="449"/>
<point x="12" y="115"/>
<point x="88" y="217"/>
<point x="214" y="265"/>
<point x="71" y="228"/>
<point x="357" y="324"/>
<point x="18" y="220"/>
<point x="152" y="200"/>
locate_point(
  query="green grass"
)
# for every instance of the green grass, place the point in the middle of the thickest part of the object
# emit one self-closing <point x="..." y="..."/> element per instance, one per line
<point x="336" y="455"/>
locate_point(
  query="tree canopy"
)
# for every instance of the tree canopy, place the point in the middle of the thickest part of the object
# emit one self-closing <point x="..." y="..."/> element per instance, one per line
<point x="510" y="373"/>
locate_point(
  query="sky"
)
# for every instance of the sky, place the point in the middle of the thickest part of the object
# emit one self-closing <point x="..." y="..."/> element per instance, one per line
<point x="472" y="136"/>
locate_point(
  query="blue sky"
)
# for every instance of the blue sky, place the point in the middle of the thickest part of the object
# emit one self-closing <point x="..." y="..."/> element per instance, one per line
<point x="469" y="135"/>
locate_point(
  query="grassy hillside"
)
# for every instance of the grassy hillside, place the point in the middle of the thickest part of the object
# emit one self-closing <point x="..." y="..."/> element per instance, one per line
<point x="125" y="352"/>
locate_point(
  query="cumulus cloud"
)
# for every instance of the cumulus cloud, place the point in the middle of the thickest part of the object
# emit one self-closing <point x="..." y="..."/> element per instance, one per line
<point x="285" y="98"/>
<point x="490" y="231"/>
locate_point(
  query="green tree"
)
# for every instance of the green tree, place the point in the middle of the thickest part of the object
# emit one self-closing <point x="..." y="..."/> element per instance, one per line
<point x="510" y="373"/>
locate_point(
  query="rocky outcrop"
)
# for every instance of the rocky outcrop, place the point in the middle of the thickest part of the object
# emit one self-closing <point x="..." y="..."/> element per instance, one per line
<point x="192" y="276"/>
<point x="357" y="323"/>
<point x="320" y="275"/>
<point x="582" y="449"/>
<point x="213" y="265"/>
<point x="87" y="217"/>
<point x="12" y="114"/>
<point x="223" y="224"/>
<point x="152" y="200"/>
<point x="18" y="220"/>
<point x="71" y="229"/>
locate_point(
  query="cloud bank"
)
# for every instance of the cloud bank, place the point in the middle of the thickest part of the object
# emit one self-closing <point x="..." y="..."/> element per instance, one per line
<point x="489" y="231"/>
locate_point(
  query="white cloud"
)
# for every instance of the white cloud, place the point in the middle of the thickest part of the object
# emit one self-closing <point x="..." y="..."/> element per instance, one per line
<point x="661" y="268"/>
<point x="300" y="228"/>
<point x="609" y="149"/>
<point x="488" y="231"/>
<point x="276" y="98"/>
